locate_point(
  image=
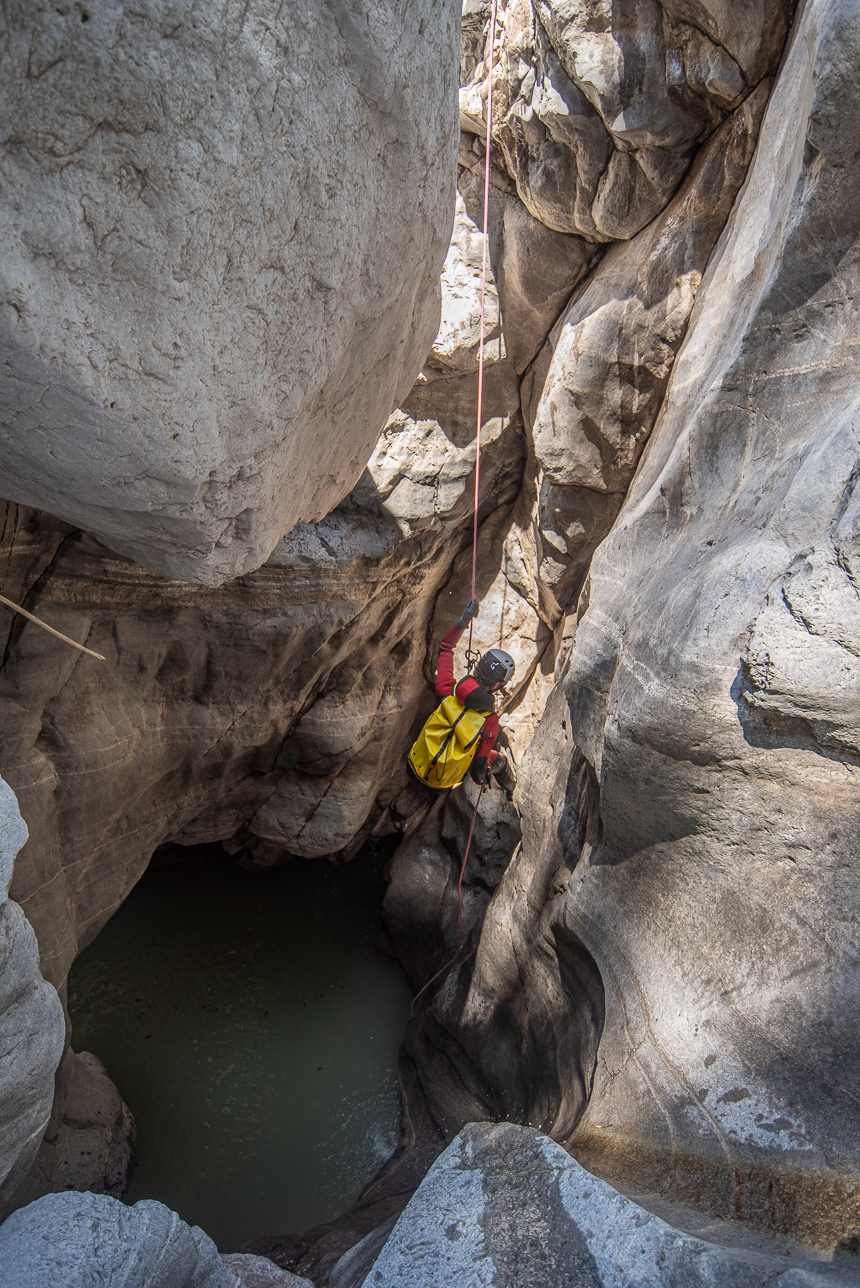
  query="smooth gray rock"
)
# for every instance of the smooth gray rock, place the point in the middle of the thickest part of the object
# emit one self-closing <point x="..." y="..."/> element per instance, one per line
<point x="93" y="1241"/>
<point x="610" y="356"/>
<point x="599" y="108"/>
<point x="711" y="699"/>
<point x="506" y="1206"/>
<point x="222" y="230"/>
<point x="13" y="835"/>
<point x="32" y="1028"/>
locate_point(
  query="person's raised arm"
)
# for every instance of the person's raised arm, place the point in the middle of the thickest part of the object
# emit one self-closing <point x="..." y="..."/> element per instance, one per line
<point x="445" y="665"/>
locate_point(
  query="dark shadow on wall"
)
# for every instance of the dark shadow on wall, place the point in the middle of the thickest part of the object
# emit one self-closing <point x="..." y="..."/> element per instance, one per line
<point x="511" y="1032"/>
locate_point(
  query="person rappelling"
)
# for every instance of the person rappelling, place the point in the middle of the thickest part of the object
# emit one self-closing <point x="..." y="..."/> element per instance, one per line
<point x="463" y="735"/>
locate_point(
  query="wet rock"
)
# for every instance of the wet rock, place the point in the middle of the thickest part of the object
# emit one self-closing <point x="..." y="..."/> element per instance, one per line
<point x="32" y="1029"/>
<point x="506" y="1205"/>
<point x="77" y="1240"/>
<point x="223" y="233"/>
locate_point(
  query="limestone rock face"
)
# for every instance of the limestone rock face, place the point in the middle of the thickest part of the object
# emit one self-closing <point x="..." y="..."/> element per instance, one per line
<point x="222" y="235"/>
<point x="534" y="268"/>
<point x="693" y="780"/>
<point x="609" y="359"/>
<point x="32" y="1030"/>
<point x="75" y="1240"/>
<point x="599" y="108"/>
<point x="505" y="1205"/>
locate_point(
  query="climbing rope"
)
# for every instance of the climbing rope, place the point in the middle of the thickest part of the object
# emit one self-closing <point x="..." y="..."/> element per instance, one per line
<point x="442" y="969"/>
<point x="470" y="656"/>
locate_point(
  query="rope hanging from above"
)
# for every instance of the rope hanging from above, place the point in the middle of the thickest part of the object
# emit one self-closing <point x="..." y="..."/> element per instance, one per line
<point x="469" y="653"/>
<point x="483" y="290"/>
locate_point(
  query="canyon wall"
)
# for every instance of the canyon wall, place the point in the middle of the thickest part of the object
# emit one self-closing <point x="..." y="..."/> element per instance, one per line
<point x="658" y="963"/>
<point x="688" y="800"/>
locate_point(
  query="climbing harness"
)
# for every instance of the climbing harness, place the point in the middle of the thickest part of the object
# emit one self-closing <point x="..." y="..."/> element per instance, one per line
<point x="442" y="969"/>
<point x="473" y="657"/>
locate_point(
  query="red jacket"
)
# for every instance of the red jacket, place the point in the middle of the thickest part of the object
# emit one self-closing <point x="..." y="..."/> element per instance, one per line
<point x="446" y="685"/>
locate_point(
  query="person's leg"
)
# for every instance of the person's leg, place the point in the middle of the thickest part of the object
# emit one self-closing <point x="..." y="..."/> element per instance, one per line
<point x="504" y="771"/>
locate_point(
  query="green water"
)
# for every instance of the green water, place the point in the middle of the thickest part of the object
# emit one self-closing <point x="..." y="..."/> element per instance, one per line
<point x="253" y="1031"/>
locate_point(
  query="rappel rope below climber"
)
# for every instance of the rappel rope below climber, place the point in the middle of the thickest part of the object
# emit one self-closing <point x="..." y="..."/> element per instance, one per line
<point x="471" y="657"/>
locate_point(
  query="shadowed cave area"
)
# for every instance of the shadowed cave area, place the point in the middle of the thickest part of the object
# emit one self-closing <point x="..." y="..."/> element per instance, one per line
<point x="253" y="1030"/>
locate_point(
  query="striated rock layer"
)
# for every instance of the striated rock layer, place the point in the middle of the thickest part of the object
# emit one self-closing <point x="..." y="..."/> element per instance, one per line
<point x="222" y="234"/>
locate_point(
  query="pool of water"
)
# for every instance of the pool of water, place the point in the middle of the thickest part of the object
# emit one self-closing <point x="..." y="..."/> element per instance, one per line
<point x="253" y="1032"/>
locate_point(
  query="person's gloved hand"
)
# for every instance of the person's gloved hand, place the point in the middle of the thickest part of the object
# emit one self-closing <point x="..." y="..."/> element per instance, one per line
<point x="470" y="611"/>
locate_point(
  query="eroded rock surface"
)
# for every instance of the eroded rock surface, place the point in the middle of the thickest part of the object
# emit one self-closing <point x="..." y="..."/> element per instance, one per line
<point x="689" y="801"/>
<point x="599" y="382"/>
<point x="89" y="1142"/>
<point x="32" y="1030"/>
<point x="599" y="109"/>
<point x="505" y="1205"/>
<point x="78" y="1240"/>
<point x="727" y="778"/>
<point x="222" y="235"/>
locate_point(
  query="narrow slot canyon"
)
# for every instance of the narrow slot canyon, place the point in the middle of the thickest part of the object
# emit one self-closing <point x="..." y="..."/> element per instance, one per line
<point x="404" y="387"/>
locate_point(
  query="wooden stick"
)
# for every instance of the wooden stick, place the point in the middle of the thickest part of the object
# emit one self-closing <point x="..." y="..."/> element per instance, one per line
<point x="45" y="627"/>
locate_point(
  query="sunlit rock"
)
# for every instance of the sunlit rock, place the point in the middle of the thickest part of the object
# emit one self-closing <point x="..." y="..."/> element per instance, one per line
<point x="222" y="232"/>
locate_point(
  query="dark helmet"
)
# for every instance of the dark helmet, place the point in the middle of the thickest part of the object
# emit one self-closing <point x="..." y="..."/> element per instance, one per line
<point x="494" y="669"/>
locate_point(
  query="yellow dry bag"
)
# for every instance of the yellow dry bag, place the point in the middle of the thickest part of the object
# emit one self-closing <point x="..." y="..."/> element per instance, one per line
<point x="446" y="746"/>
